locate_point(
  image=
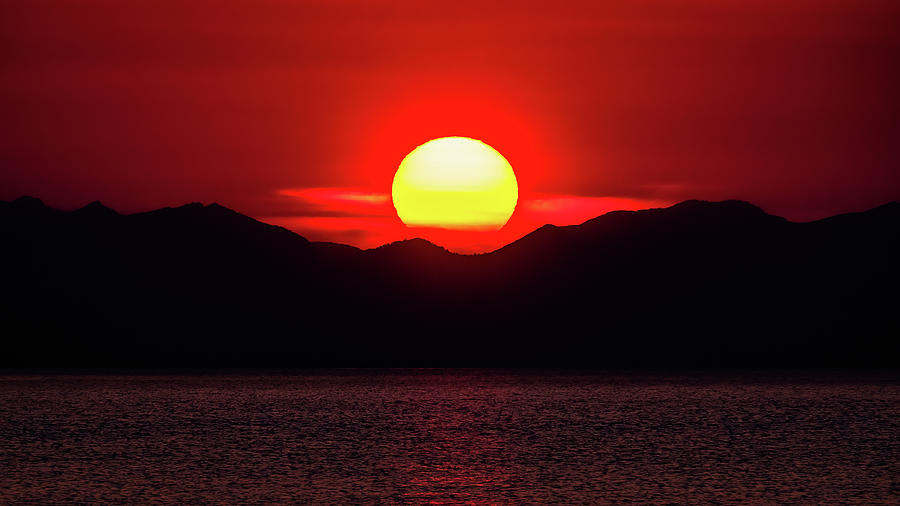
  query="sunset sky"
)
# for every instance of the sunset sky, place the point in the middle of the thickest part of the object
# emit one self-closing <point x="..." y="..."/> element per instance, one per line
<point x="299" y="113"/>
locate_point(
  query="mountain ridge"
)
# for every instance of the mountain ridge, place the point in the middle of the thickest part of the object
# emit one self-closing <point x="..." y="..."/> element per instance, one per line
<point x="748" y="209"/>
<point x="696" y="284"/>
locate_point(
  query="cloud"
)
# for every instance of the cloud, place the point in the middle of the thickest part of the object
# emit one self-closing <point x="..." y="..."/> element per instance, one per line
<point x="366" y="219"/>
<point x="331" y="202"/>
<point x="562" y="209"/>
<point x="327" y="195"/>
<point x="347" y="215"/>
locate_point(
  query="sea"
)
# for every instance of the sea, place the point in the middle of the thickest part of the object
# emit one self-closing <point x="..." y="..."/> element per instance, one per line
<point x="436" y="436"/>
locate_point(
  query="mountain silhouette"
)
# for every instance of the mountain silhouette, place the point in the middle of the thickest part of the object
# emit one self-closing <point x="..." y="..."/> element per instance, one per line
<point x="94" y="210"/>
<point x="695" y="284"/>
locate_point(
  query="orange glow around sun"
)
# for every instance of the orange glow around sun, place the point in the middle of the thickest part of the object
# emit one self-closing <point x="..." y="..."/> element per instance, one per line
<point x="455" y="183"/>
<point x="363" y="208"/>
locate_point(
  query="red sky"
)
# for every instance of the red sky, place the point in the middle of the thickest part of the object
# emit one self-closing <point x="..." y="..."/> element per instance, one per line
<point x="298" y="113"/>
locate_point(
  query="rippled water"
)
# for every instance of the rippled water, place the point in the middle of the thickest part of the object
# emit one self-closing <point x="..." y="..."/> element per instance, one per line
<point x="450" y="437"/>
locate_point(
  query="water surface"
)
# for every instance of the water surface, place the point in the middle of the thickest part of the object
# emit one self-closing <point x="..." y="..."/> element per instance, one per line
<point x="437" y="437"/>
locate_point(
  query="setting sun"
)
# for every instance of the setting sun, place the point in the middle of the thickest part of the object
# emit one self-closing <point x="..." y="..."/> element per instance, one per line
<point x="455" y="182"/>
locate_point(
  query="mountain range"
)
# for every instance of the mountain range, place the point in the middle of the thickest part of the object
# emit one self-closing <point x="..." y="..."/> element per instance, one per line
<point x="697" y="284"/>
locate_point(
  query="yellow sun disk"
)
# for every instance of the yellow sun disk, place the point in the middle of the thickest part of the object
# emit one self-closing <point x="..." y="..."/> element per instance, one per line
<point x="455" y="182"/>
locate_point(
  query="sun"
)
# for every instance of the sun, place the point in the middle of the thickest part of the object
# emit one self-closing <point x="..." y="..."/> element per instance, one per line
<point x="456" y="183"/>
